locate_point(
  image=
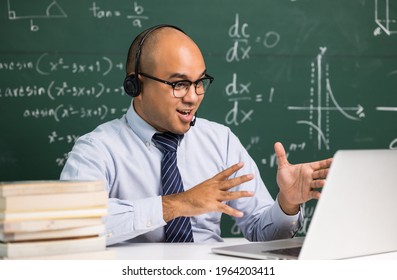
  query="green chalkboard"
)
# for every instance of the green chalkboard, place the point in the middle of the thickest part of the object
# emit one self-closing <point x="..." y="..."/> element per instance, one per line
<point x="317" y="75"/>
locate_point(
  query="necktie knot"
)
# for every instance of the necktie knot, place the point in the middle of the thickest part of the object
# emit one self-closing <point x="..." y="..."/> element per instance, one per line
<point x="168" y="141"/>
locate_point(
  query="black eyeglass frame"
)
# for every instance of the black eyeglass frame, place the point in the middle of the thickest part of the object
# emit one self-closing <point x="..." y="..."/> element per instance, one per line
<point x="173" y="84"/>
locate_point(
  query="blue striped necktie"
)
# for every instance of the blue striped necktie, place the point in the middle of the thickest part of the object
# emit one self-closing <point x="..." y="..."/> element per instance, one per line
<point x="178" y="229"/>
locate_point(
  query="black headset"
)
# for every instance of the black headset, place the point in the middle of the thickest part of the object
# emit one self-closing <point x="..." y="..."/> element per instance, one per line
<point x="132" y="84"/>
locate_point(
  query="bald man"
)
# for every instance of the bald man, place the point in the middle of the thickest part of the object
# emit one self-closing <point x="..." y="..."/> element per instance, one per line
<point x="218" y="174"/>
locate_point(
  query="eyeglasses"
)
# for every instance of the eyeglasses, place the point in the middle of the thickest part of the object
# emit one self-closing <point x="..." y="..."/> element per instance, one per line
<point x="181" y="88"/>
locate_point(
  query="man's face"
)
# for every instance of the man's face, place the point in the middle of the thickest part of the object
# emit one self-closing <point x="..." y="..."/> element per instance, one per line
<point x="176" y="58"/>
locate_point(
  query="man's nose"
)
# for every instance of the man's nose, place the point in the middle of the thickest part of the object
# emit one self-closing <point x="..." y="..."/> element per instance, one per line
<point x="191" y="95"/>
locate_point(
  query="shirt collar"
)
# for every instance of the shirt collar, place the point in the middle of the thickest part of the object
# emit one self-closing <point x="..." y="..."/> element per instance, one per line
<point x="140" y="127"/>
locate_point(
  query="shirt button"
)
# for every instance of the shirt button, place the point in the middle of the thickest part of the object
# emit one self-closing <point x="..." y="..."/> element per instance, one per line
<point x="148" y="144"/>
<point x="148" y="223"/>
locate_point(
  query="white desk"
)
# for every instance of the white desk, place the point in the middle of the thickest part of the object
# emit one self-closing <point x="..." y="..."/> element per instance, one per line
<point x="172" y="251"/>
<point x="192" y="251"/>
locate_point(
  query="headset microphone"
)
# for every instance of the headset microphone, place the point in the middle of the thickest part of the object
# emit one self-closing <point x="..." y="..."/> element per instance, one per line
<point x="193" y="122"/>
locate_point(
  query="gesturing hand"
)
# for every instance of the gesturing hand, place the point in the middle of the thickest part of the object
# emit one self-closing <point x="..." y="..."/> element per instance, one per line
<point x="300" y="182"/>
<point x="207" y="196"/>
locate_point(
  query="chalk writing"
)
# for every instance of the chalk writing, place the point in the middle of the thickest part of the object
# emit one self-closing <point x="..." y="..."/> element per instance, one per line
<point x="385" y="17"/>
<point x="393" y="144"/>
<point x="238" y="116"/>
<point x="386" y="108"/>
<point x="60" y="161"/>
<point x="319" y="72"/>
<point x="308" y="211"/>
<point x="69" y="138"/>
<point x="137" y="17"/>
<point x="239" y="35"/>
<point x="22" y="91"/>
<point x="48" y="63"/>
<point x="237" y="89"/>
<point x="57" y="90"/>
<point x="270" y="40"/>
<point x="67" y="111"/>
<point x="77" y="91"/>
<point x="53" y="10"/>
<point x="271" y="160"/>
<point x="254" y="141"/>
<point x="47" y="10"/>
<point x="16" y="65"/>
<point x="235" y="229"/>
<point x="97" y="12"/>
<point x="238" y="92"/>
<point x="241" y="41"/>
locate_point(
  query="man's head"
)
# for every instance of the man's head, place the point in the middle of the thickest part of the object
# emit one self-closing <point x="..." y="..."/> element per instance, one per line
<point x="167" y="55"/>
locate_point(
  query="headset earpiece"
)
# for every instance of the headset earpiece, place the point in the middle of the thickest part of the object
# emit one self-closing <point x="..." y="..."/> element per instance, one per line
<point x="132" y="85"/>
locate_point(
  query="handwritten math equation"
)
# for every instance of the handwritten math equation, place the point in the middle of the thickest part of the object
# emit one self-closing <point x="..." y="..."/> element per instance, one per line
<point x="52" y="10"/>
<point x="48" y="63"/>
<point x="66" y="111"/>
<point x="58" y="89"/>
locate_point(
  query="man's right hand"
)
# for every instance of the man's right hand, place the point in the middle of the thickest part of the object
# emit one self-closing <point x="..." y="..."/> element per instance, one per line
<point x="207" y="196"/>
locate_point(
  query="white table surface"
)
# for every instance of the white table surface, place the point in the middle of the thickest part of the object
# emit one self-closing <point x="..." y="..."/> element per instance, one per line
<point x="192" y="251"/>
<point x="172" y="251"/>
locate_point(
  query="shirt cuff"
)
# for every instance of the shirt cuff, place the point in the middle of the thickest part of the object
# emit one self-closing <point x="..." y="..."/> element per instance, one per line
<point x="129" y="219"/>
<point x="291" y="222"/>
<point x="148" y="214"/>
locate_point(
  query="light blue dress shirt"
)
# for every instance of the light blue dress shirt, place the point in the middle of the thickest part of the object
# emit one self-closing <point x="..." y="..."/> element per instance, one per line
<point x="121" y="153"/>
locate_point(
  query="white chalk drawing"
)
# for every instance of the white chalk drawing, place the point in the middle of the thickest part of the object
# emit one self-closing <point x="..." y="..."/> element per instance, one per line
<point x="241" y="40"/>
<point x="323" y="102"/>
<point x="384" y="108"/>
<point x="386" y="17"/>
<point x="393" y="143"/>
<point x="50" y="10"/>
<point x="136" y="18"/>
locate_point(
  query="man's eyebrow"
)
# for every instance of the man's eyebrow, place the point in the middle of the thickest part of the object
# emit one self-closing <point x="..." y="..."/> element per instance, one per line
<point x="184" y="76"/>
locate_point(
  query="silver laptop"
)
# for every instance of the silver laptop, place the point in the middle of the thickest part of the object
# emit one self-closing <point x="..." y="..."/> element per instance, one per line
<point x="355" y="216"/>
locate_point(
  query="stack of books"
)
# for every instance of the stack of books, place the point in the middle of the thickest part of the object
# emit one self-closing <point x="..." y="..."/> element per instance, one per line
<point x="53" y="220"/>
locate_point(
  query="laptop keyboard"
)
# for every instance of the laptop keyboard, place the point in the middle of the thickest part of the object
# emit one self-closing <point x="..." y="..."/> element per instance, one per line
<point x="294" y="251"/>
